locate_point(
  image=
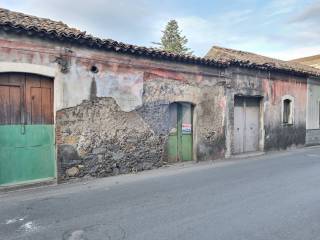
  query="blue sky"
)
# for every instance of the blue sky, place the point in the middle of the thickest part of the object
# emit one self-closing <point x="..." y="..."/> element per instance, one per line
<point x="284" y="29"/>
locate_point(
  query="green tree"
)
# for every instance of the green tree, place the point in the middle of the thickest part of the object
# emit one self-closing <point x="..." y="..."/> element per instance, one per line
<point x="172" y="39"/>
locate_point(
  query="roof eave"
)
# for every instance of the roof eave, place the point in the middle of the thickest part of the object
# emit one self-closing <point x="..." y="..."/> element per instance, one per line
<point x="110" y="45"/>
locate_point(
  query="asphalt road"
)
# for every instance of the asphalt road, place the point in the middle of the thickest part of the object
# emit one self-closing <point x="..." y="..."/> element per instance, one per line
<point x="276" y="196"/>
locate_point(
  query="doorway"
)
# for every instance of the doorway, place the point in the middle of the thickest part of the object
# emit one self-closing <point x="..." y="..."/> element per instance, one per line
<point x="246" y="124"/>
<point x="27" y="151"/>
<point x="181" y="132"/>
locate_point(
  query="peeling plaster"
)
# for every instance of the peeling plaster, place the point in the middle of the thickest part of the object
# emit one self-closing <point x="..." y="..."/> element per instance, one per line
<point x="125" y="88"/>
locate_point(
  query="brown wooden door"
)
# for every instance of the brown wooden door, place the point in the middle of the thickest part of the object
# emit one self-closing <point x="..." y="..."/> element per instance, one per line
<point x="39" y="100"/>
<point x="11" y="98"/>
<point x="25" y="99"/>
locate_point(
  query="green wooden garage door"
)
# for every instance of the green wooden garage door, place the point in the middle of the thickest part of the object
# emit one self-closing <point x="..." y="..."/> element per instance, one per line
<point x="27" y="150"/>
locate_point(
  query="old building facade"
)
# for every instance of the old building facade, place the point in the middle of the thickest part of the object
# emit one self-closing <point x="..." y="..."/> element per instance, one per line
<point x="313" y="106"/>
<point x="73" y="105"/>
<point x="280" y="106"/>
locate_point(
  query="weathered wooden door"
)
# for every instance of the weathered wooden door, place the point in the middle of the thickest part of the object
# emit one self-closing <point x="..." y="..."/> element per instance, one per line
<point x="246" y="124"/>
<point x="239" y="125"/>
<point x="26" y="128"/>
<point x="180" y="136"/>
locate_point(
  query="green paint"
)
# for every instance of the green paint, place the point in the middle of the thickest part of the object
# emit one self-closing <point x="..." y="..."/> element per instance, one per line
<point x="27" y="153"/>
<point x="172" y="147"/>
<point x="180" y="142"/>
<point x="185" y="138"/>
<point x="186" y="147"/>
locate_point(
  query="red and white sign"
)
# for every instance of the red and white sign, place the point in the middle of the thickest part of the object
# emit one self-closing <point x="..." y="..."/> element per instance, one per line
<point x="186" y="127"/>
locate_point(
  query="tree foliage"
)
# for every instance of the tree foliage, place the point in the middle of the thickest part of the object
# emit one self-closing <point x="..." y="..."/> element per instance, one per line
<point x="172" y="39"/>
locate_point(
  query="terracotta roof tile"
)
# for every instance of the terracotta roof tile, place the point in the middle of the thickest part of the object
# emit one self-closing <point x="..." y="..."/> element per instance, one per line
<point x="28" y="22"/>
<point x="219" y="57"/>
<point x="14" y="21"/>
<point x="313" y="61"/>
<point x="242" y="58"/>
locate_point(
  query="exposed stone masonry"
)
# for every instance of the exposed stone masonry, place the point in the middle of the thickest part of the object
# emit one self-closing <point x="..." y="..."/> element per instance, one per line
<point x="101" y="140"/>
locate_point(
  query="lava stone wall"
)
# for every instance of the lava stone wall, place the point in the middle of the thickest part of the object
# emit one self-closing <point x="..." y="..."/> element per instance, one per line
<point x="97" y="138"/>
<point x="206" y="94"/>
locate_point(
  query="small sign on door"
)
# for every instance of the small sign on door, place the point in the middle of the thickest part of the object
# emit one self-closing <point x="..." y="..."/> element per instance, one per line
<point x="186" y="127"/>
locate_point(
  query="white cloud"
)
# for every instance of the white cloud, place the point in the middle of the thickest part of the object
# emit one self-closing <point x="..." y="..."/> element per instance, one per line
<point x="310" y="14"/>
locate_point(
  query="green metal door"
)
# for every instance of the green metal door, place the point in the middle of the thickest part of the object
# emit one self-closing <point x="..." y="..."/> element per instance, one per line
<point x="180" y="136"/>
<point x="27" y="151"/>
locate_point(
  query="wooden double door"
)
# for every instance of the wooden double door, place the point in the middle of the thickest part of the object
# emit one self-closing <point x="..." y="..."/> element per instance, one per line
<point x="27" y="151"/>
<point x="246" y="124"/>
